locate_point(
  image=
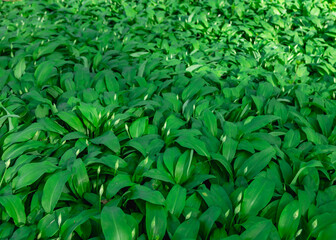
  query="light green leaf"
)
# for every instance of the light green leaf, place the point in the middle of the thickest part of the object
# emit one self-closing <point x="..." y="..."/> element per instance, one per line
<point x="187" y="230"/>
<point x="176" y="199"/>
<point x="52" y="190"/>
<point x="30" y="173"/>
<point x="43" y="72"/>
<point x="146" y="194"/>
<point x="20" y="68"/>
<point x="289" y="220"/>
<point x="156" y="221"/>
<point x="72" y="120"/>
<point x="194" y="143"/>
<point x="256" y="196"/>
<point x="138" y="127"/>
<point x="109" y="140"/>
<point x="114" y="224"/>
<point x="14" y="208"/>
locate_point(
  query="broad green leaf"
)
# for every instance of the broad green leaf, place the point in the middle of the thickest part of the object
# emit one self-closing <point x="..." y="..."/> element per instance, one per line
<point x="257" y="162"/>
<point x="24" y="135"/>
<point x="156" y="221"/>
<point x="146" y="194"/>
<point x="320" y="222"/>
<point x="109" y="140"/>
<point x="173" y="122"/>
<point x="20" y="68"/>
<point x="224" y="162"/>
<point x="14" y="208"/>
<point x="229" y="148"/>
<point x="130" y="12"/>
<point x="82" y="77"/>
<point x="111" y="82"/>
<point x="138" y="127"/>
<point x="114" y="224"/>
<point x="326" y="123"/>
<point x="72" y="223"/>
<point x="80" y="177"/>
<point x="183" y="165"/>
<point x="187" y="230"/>
<point x="259" y="122"/>
<point x="256" y="196"/>
<point x="292" y="139"/>
<point x="259" y="228"/>
<point x="327" y="233"/>
<point x="72" y="120"/>
<point x="52" y="126"/>
<point x="43" y="72"/>
<point x="194" y="143"/>
<point x="48" y="226"/>
<point x="52" y="190"/>
<point x="305" y="165"/>
<point x="193" y="67"/>
<point x="117" y="183"/>
<point x="210" y="121"/>
<point x="176" y="199"/>
<point x="159" y="175"/>
<point x="15" y="150"/>
<point x="6" y="230"/>
<point x="30" y="173"/>
<point x="207" y="220"/>
<point x="170" y="157"/>
<point x="289" y="220"/>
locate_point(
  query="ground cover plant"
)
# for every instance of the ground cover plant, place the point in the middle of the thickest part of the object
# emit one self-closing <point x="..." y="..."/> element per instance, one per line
<point x="167" y="119"/>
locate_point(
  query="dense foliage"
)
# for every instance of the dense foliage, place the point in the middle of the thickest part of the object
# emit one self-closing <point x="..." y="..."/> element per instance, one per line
<point x="168" y="119"/>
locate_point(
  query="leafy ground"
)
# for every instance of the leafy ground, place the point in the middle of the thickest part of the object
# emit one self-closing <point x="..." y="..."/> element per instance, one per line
<point x="168" y="119"/>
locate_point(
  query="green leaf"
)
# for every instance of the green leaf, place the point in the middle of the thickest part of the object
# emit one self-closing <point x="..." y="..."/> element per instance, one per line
<point x="24" y="135"/>
<point x="52" y="126"/>
<point x="194" y="143"/>
<point x="52" y="190"/>
<point x="259" y="228"/>
<point x="138" y="127"/>
<point x="15" y="150"/>
<point x="43" y="72"/>
<point x="289" y="220"/>
<point x="327" y="233"/>
<point x="72" y="120"/>
<point x="229" y="148"/>
<point x="82" y="77"/>
<point x="305" y="165"/>
<point x="156" y="221"/>
<point x="183" y="166"/>
<point x="114" y="224"/>
<point x="14" y="208"/>
<point x="48" y="226"/>
<point x="109" y="140"/>
<point x="187" y="230"/>
<point x="258" y="122"/>
<point x="210" y="121"/>
<point x="30" y="173"/>
<point x="207" y="220"/>
<point x="118" y="182"/>
<point x="20" y="68"/>
<point x="80" y="177"/>
<point x="146" y="194"/>
<point x="256" y="196"/>
<point x="292" y="139"/>
<point x="170" y="157"/>
<point x="72" y="223"/>
<point x="257" y="162"/>
<point x="193" y="67"/>
<point x="176" y="199"/>
<point x="130" y="13"/>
